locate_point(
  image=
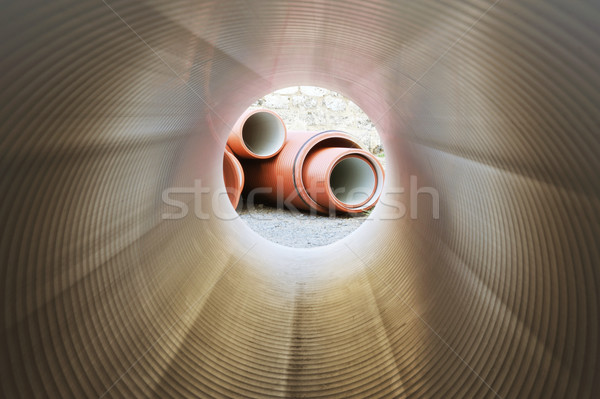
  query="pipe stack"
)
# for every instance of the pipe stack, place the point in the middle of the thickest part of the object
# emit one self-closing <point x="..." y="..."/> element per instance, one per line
<point x="324" y="172"/>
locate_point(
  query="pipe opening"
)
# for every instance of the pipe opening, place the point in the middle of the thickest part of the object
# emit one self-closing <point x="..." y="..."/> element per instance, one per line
<point x="112" y="119"/>
<point x="335" y="192"/>
<point x="263" y="133"/>
<point x="353" y="181"/>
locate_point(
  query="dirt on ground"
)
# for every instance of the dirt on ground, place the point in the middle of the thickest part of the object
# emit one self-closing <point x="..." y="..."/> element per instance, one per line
<point x="298" y="229"/>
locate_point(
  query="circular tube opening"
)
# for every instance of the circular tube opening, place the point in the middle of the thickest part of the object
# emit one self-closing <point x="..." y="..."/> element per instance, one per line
<point x="263" y="133"/>
<point x="313" y="112"/>
<point x="102" y="296"/>
<point x="353" y="181"/>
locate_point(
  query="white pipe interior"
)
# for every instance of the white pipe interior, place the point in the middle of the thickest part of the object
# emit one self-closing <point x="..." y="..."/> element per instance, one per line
<point x="352" y="180"/>
<point x="263" y="133"/>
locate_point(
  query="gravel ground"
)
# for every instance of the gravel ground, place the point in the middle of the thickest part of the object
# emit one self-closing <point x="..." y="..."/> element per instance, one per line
<point x="300" y="230"/>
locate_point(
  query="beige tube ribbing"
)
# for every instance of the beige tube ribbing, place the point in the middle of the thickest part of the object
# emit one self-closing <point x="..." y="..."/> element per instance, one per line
<point x="107" y="292"/>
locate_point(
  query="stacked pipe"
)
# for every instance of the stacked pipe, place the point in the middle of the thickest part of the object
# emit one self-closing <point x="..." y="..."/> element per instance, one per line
<point x="258" y="134"/>
<point x="325" y="172"/>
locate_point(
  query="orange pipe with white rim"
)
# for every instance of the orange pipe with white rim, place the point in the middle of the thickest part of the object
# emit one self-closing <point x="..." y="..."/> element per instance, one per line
<point x="257" y="134"/>
<point x="345" y="179"/>
<point x="280" y="180"/>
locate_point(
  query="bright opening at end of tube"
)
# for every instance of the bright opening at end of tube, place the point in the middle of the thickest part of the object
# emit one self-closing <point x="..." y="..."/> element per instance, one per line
<point x="353" y="181"/>
<point x="263" y="134"/>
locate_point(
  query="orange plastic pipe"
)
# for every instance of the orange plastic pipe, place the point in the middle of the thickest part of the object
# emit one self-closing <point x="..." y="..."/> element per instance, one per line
<point x="233" y="177"/>
<point x="257" y="134"/>
<point x="280" y="180"/>
<point x="345" y="179"/>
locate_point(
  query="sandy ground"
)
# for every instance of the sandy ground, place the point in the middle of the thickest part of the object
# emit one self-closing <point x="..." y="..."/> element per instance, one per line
<point x="300" y="230"/>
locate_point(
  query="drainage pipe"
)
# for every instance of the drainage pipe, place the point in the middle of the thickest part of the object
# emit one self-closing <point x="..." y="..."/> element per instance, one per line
<point x="280" y="181"/>
<point x="347" y="180"/>
<point x="233" y="177"/>
<point x="105" y="105"/>
<point x="257" y="134"/>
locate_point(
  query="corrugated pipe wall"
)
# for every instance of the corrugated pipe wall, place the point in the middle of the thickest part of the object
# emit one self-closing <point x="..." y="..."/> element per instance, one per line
<point x="105" y="105"/>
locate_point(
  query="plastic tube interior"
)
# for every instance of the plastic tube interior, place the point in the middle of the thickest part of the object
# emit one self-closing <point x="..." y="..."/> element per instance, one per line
<point x="126" y="272"/>
<point x="263" y="133"/>
<point x="353" y="180"/>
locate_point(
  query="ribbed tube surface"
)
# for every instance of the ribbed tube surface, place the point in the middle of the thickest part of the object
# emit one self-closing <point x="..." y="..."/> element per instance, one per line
<point x="105" y="105"/>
